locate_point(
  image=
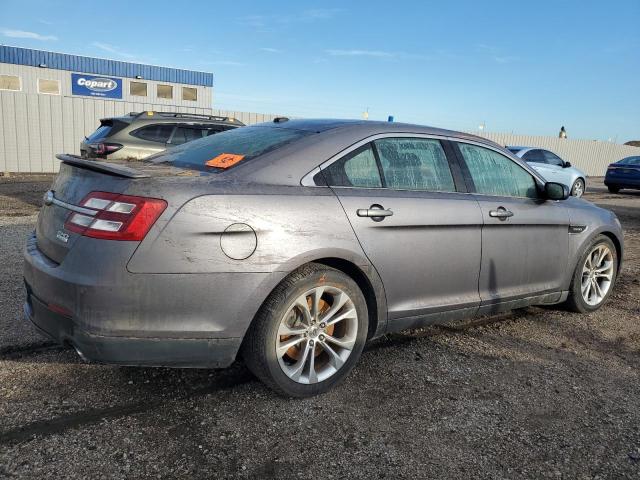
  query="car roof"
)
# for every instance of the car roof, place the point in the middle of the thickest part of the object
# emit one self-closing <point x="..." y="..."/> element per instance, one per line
<point x="370" y="127"/>
<point x="175" y="117"/>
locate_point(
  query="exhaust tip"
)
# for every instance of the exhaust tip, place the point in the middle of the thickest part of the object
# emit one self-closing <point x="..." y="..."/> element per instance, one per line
<point x="80" y="354"/>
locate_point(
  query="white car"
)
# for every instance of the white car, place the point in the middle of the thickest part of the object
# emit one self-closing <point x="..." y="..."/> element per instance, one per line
<point x="553" y="168"/>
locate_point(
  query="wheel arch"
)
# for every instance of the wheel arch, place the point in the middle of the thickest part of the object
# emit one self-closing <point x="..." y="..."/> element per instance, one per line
<point x="374" y="296"/>
<point x="616" y="243"/>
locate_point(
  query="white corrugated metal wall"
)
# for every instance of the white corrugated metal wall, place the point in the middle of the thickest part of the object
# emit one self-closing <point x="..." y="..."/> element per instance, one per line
<point x="35" y="127"/>
<point x="590" y="156"/>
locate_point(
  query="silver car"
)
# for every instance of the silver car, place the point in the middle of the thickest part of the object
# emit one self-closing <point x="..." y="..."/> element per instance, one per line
<point x="553" y="168"/>
<point x="292" y="243"/>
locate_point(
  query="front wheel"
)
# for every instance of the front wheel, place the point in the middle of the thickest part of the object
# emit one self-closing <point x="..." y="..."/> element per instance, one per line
<point x="613" y="189"/>
<point x="578" y="188"/>
<point x="309" y="333"/>
<point x="594" y="276"/>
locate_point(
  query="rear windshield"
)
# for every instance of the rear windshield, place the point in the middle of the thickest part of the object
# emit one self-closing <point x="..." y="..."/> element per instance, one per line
<point x="218" y="152"/>
<point x="102" y="132"/>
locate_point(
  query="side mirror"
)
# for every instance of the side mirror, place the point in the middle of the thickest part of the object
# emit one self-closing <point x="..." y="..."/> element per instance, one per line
<point x="566" y="164"/>
<point x="556" y="191"/>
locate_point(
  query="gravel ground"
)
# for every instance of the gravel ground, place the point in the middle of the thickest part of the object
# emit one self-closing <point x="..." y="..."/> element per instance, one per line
<point x="539" y="393"/>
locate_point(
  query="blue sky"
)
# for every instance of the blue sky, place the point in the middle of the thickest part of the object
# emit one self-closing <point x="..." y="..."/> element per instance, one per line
<point x="523" y="67"/>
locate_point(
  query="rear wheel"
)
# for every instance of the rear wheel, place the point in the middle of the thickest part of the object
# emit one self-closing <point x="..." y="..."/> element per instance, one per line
<point x="613" y="189"/>
<point x="594" y="276"/>
<point x="578" y="188"/>
<point x="309" y="333"/>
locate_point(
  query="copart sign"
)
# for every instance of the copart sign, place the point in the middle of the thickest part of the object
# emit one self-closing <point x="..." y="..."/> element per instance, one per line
<point x="92" y="86"/>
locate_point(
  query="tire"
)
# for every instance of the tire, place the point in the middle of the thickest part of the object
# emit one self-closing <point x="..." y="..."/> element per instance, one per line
<point x="283" y="318"/>
<point x="613" y="189"/>
<point x="577" y="190"/>
<point x="577" y="301"/>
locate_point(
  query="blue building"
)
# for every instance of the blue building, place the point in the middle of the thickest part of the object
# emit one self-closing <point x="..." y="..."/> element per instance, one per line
<point x="49" y="101"/>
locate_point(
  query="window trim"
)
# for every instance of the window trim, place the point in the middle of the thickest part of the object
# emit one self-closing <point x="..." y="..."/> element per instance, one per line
<point x="19" y="77"/>
<point x="308" y="179"/>
<point x="517" y="160"/>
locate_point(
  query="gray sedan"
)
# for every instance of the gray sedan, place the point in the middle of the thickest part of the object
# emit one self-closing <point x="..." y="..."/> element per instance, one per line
<point x="290" y="244"/>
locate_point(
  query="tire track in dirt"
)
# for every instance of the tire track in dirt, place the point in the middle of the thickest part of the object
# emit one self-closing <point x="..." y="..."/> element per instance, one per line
<point x="44" y="428"/>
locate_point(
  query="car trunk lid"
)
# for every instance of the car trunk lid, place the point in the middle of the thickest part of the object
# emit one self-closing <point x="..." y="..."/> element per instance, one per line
<point x="77" y="178"/>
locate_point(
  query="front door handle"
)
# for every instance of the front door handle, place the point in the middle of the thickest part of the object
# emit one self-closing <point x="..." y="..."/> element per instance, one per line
<point x="501" y="213"/>
<point x="375" y="212"/>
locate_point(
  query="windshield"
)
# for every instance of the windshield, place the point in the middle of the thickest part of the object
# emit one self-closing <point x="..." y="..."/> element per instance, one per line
<point x="225" y="149"/>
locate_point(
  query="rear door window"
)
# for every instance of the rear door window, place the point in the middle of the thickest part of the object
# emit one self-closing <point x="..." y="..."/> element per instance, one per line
<point x="185" y="134"/>
<point x="415" y="164"/>
<point x="154" y="133"/>
<point x="494" y="174"/>
<point x="357" y="169"/>
<point x="535" y="156"/>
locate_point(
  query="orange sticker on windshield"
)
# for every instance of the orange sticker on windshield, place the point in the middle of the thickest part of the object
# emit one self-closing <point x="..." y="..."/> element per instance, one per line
<point x="224" y="160"/>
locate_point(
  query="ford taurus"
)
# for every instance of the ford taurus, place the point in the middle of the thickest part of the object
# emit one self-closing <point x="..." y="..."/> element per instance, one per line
<point x="292" y="243"/>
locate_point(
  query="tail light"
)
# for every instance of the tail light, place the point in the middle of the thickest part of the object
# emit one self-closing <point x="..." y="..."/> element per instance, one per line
<point x="117" y="217"/>
<point x="105" y="148"/>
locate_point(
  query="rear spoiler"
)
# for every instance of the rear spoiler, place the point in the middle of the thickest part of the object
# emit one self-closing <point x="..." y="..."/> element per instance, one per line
<point x="103" y="167"/>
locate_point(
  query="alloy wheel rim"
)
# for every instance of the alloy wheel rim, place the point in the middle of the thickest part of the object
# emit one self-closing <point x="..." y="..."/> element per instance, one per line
<point x="317" y="335"/>
<point x="578" y="189"/>
<point x="597" y="275"/>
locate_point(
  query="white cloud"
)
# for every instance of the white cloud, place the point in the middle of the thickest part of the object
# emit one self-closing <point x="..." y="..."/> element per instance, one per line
<point x="271" y="50"/>
<point x="361" y="53"/>
<point x="113" y="50"/>
<point x="307" y="16"/>
<point x="229" y="63"/>
<point x="382" y="54"/>
<point x="30" y="35"/>
<point x="495" y="53"/>
<point x="504" y="59"/>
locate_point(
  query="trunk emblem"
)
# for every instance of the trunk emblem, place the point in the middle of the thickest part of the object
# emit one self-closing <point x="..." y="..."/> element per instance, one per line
<point x="62" y="236"/>
<point x="48" y="198"/>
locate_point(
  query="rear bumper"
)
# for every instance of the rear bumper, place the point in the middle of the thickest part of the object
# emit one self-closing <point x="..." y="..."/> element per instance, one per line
<point x="174" y="352"/>
<point x="114" y="316"/>
<point x="621" y="181"/>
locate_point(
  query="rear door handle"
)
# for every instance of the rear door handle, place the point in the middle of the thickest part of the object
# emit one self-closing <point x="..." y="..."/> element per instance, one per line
<point x="376" y="212"/>
<point x="501" y="213"/>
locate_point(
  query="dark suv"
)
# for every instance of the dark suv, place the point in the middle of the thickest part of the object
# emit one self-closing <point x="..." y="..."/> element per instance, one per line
<point x="139" y="135"/>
